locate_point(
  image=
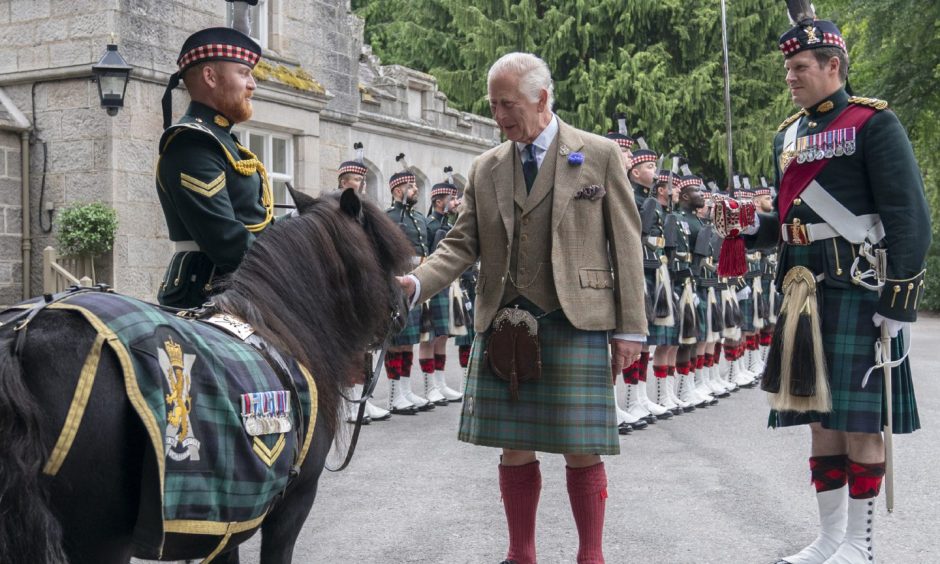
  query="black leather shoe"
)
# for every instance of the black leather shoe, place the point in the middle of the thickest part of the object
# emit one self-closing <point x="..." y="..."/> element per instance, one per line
<point x="508" y="562"/>
<point x="624" y="428"/>
<point x="410" y="410"/>
<point x="365" y="420"/>
<point x="666" y="415"/>
<point x="639" y="425"/>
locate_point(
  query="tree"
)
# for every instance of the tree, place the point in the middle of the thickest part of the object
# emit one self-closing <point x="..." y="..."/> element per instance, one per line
<point x="660" y="62"/>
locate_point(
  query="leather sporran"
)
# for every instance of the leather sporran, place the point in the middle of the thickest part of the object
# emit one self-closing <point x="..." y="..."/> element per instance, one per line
<point x="512" y="349"/>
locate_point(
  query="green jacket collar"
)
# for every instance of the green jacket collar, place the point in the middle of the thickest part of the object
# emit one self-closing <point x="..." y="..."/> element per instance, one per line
<point x="829" y="105"/>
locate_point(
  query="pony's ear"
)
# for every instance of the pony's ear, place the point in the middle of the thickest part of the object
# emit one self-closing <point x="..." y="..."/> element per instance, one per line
<point x="350" y="203"/>
<point x="301" y="200"/>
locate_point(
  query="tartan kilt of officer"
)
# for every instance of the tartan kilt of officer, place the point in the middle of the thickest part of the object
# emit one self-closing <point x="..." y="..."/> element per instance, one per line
<point x="570" y="410"/>
<point x="411" y="334"/>
<point x="659" y="334"/>
<point x="440" y="314"/>
<point x="848" y="341"/>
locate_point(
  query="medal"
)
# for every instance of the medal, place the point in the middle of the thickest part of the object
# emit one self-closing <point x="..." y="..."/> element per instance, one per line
<point x="850" y="141"/>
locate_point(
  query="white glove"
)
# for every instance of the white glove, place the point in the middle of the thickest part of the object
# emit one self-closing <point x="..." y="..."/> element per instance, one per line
<point x="744" y="293"/>
<point x="894" y="326"/>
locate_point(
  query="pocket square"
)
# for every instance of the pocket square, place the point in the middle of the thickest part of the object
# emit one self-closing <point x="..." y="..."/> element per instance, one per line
<point x="592" y="192"/>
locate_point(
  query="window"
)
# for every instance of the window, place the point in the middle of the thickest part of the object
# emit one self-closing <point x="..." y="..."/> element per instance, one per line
<point x="259" y="20"/>
<point x="276" y="151"/>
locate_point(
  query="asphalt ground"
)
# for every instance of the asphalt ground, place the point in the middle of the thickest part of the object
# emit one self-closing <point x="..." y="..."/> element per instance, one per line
<point x="712" y="486"/>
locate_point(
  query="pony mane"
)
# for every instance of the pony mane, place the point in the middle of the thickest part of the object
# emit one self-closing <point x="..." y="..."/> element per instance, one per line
<point x="321" y="287"/>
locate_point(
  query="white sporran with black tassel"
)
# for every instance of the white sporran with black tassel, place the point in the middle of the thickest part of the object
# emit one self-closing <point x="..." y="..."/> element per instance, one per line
<point x="688" y="328"/>
<point x="757" y="291"/>
<point x="796" y="377"/>
<point x="456" y="318"/>
<point x="714" y="317"/>
<point x="663" y="307"/>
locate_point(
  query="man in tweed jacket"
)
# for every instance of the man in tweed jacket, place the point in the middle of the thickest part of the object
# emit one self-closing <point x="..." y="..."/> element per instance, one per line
<point x="550" y="215"/>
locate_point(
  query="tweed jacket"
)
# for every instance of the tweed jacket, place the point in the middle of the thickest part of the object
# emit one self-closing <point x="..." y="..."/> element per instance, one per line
<point x="596" y="259"/>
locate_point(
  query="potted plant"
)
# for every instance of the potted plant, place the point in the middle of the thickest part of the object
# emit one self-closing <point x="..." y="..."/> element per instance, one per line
<point x="87" y="231"/>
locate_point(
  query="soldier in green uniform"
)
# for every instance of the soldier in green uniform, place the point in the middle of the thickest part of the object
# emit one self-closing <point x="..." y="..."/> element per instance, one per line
<point x="744" y="370"/>
<point x="352" y="174"/>
<point x="690" y="359"/>
<point x="215" y="193"/>
<point x="642" y="175"/>
<point x="432" y="352"/>
<point x="855" y="230"/>
<point x="400" y="356"/>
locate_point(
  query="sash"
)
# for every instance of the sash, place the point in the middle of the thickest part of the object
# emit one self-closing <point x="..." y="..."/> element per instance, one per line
<point x="797" y="176"/>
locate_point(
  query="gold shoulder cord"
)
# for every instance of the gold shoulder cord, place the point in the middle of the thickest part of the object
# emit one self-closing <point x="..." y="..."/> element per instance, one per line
<point x="247" y="167"/>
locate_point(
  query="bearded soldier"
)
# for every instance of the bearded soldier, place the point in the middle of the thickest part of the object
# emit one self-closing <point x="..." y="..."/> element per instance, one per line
<point x="854" y="229"/>
<point x="214" y="192"/>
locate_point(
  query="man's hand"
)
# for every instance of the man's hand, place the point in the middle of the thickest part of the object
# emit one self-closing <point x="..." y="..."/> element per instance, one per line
<point x="623" y="353"/>
<point x="407" y="284"/>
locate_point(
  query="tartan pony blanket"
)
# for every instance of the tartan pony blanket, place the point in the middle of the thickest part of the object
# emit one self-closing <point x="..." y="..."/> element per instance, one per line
<point x="224" y="429"/>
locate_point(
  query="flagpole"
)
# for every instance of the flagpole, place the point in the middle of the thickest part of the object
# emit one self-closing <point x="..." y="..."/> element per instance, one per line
<point x="724" y="49"/>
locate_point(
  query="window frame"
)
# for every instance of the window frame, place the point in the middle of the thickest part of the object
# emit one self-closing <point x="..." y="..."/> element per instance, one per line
<point x="268" y="136"/>
<point x="263" y="13"/>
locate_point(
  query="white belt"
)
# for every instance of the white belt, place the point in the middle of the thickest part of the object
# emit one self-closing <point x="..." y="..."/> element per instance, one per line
<point x="185" y="246"/>
<point x="855" y="229"/>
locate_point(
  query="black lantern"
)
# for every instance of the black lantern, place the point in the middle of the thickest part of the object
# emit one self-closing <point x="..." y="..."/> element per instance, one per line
<point x="111" y="73"/>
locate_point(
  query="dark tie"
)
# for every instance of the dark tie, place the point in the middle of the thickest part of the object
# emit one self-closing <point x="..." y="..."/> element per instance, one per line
<point x="530" y="166"/>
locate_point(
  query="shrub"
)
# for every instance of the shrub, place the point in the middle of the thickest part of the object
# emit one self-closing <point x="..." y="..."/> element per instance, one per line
<point x="87" y="229"/>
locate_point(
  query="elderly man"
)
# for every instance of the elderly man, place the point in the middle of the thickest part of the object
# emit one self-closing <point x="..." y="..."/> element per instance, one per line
<point x="849" y="190"/>
<point x="550" y="215"/>
<point x="215" y="194"/>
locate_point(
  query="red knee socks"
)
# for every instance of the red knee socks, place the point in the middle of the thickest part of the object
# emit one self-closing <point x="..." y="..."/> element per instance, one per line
<point x="427" y="365"/>
<point x="393" y="365"/>
<point x="407" y="359"/>
<point x="828" y="472"/>
<point x="865" y="479"/>
<point x="439" y="361"/>
<point x="631" y="374"/>
<point x="660" y="371"/>
<point x="520" y="487"/>
<point x="587" y="491"/>
<point x="464" y="351"/>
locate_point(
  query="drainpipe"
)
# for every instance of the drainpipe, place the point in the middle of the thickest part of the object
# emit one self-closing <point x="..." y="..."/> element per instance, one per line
<point x="27" y="239"/>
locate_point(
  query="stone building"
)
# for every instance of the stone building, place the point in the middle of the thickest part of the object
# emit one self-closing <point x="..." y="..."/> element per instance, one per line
<point x="319" y="91"/>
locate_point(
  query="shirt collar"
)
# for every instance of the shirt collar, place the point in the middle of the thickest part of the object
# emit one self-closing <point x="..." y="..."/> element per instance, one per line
<point x="544" y="140"/>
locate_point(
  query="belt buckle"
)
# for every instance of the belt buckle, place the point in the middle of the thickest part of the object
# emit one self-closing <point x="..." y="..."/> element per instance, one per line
<point x="796" y="233"/>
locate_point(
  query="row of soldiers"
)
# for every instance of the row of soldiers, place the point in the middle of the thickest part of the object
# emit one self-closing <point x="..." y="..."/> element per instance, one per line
<point x="709" y="335"/>
<point x="430" y="324"/>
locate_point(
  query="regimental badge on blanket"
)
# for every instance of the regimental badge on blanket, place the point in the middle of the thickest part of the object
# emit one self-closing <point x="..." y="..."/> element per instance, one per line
<point x="177" y="367"/>
<point x="266" y="413"/>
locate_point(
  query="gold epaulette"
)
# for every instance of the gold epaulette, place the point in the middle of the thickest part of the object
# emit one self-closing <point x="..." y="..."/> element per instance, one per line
<point x="870" y="102"/>
<point x="786" y="123"/>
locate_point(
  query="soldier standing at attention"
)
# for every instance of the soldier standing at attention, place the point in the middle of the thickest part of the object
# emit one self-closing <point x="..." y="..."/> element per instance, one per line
<point x="352" y="174"/>
<point x="215" y="193"/>
<point x="849" y="190"/>
<point x="432" y="353"/>
<point x="400" y="356"/>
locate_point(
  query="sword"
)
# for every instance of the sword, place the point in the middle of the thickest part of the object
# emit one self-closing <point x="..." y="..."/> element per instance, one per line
<point x="889" y="424"/>
<point x="727" y="78"/>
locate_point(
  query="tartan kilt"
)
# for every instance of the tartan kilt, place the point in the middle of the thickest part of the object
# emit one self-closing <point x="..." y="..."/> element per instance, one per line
<point x="440" y="313"/>
<point x="570" y="410"/>
<point x="848" y="341"/>
<point x="747" y="315"/>
<point x="659" y="334"/>
<point x="411" y="334"/>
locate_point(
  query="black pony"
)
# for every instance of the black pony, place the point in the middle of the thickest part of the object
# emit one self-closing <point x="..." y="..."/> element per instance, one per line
<point x="319" y="287"/>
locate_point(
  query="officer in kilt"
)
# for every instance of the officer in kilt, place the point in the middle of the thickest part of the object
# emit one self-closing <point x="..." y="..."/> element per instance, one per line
<point x="399" y="357"/>
<point x="855" y="230"/>
<point x="551" y="217"/>
<point x="215" y="193"/>
<point x="432" y="351"/>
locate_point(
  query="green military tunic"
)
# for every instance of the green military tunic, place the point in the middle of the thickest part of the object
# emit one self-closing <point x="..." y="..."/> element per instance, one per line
<point x="653" y="217"/>
<point x="216" y="199"/>
<point x="880" y="175"/>
<point x="415" y="227"/>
